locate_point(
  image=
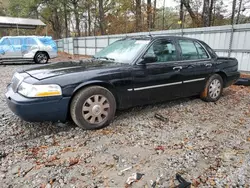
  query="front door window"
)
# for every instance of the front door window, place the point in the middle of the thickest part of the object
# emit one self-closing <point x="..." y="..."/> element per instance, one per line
<point x="163" y="50"/>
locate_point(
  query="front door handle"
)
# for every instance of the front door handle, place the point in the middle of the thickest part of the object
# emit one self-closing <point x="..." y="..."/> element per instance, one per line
<point x="208" y="65"/>
<point x="177" y="68"/>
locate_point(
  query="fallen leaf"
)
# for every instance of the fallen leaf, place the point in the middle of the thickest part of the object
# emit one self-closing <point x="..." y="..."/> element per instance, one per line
<point x="105" y="132"/>
<point x="39" y="166"/>
<point x="212" y="182"/>
<point x="172" y="184"/>
<point x="52" y="181"/>
<point x="190" y="147"/>
<point x="73" y="161"/>
<point x="53" y="158"/>
<point x="43" y="147"/>
<point x="43" y="185"/>
<point x="195" y="183"/>
<point x="160" y="148"/>
<point x="19" y="172"/>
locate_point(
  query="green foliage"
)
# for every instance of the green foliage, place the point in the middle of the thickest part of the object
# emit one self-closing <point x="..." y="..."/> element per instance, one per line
<point x="23" y="8"/>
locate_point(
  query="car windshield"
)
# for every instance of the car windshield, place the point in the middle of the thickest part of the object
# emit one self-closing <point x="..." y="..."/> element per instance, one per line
<point x="122" y="51"/>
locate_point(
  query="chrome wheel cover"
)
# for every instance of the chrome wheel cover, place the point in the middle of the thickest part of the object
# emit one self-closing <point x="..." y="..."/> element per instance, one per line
<point x="214" y="88"/>
<point x="95" y="109"/>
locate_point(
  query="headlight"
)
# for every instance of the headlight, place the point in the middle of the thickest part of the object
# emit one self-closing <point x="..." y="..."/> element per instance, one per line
<point x="29" y="90"/>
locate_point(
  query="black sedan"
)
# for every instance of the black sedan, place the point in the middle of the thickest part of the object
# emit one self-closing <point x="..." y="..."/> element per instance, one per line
<point x="129" y="72"/>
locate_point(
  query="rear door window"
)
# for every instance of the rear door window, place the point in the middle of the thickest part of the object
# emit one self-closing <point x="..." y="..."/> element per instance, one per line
<point x="188" y="49"/>
<point x="201" y="51"/>
<point x="15" y="41"/>
<point x="30" y="42"/>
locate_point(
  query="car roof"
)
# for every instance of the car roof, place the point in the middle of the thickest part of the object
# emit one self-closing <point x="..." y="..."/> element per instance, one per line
<point x="153" y="37"/>
<point x="26" y="36"/>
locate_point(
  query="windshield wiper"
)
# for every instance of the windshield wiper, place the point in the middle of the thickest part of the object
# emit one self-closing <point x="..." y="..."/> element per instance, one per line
<point x="106" y="58"/>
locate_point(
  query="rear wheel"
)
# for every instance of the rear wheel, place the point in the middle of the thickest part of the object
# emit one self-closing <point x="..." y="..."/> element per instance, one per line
<point x="93" y="107"/>
<point x="41" y="58"/>
<point x="213" y="89"/>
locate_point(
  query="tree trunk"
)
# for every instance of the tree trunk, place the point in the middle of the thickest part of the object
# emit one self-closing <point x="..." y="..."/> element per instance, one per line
<point x="205" y="13"/>
<point x="149" y="14"/>
<point x="86" y="28"/>
<point x="138" y="15"/>
<point x="101" y="18"/>
<point x="194" y="18"/>
<point x="89" y="21"/>
<point x="65" y="18"/>
<point x="154" y="14"/>
<point x="95" y="18"/>
<point x="163" y="15"/>
<point x="211" y="11"/>
<point x="56" y="24"/>
<point x="181" y="14"/>
<point x="214" y="15"/>
<point x="76" y="13"/>
<point x="238" y="15"/>
<point x="233" y="12"/>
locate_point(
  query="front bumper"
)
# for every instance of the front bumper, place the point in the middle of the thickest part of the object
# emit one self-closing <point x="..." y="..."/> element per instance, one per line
<point x="39" y="109"/>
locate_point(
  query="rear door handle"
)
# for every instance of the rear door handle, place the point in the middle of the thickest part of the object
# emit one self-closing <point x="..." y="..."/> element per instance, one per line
<point x="208" y="65"/>
<point x="177" y="68"/>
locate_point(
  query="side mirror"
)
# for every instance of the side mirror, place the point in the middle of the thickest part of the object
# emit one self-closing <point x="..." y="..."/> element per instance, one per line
<point x="149" y="58"/>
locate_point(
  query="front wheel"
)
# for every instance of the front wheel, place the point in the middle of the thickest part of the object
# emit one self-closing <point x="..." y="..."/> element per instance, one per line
<point x="213" y="89"/>
<point x="41" y="58"/>
<point x="93" y="107"/>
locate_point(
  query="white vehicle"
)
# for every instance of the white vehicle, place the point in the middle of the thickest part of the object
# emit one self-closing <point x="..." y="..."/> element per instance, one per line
<point x="27" y="48"/>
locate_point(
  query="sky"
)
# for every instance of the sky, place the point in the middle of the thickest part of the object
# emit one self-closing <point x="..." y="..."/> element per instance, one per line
<point x="228" y="3"/>
<point x="173" y="3"/>
<point x="168" y="3"/>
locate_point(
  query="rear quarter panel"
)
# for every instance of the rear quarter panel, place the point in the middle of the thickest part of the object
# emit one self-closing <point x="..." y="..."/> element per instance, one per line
<point x="229" y="67"/>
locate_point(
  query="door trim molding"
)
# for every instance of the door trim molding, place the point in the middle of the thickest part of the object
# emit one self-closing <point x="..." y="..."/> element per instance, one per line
<point x="163" y="85"/>
<point x="193" y="80"/>
<point x="155" y="86"/>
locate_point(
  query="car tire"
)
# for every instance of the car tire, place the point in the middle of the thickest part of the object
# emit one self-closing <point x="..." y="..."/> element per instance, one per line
<point x="93" y="107"/>
<point x="213" y="89"/>
<point x="41" y="58"/>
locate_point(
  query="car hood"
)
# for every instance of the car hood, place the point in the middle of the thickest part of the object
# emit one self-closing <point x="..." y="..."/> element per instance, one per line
<point x="61" y="68"/>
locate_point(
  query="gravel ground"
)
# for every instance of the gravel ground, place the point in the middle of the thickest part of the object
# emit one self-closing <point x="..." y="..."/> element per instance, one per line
<point x="207" y="143"/>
